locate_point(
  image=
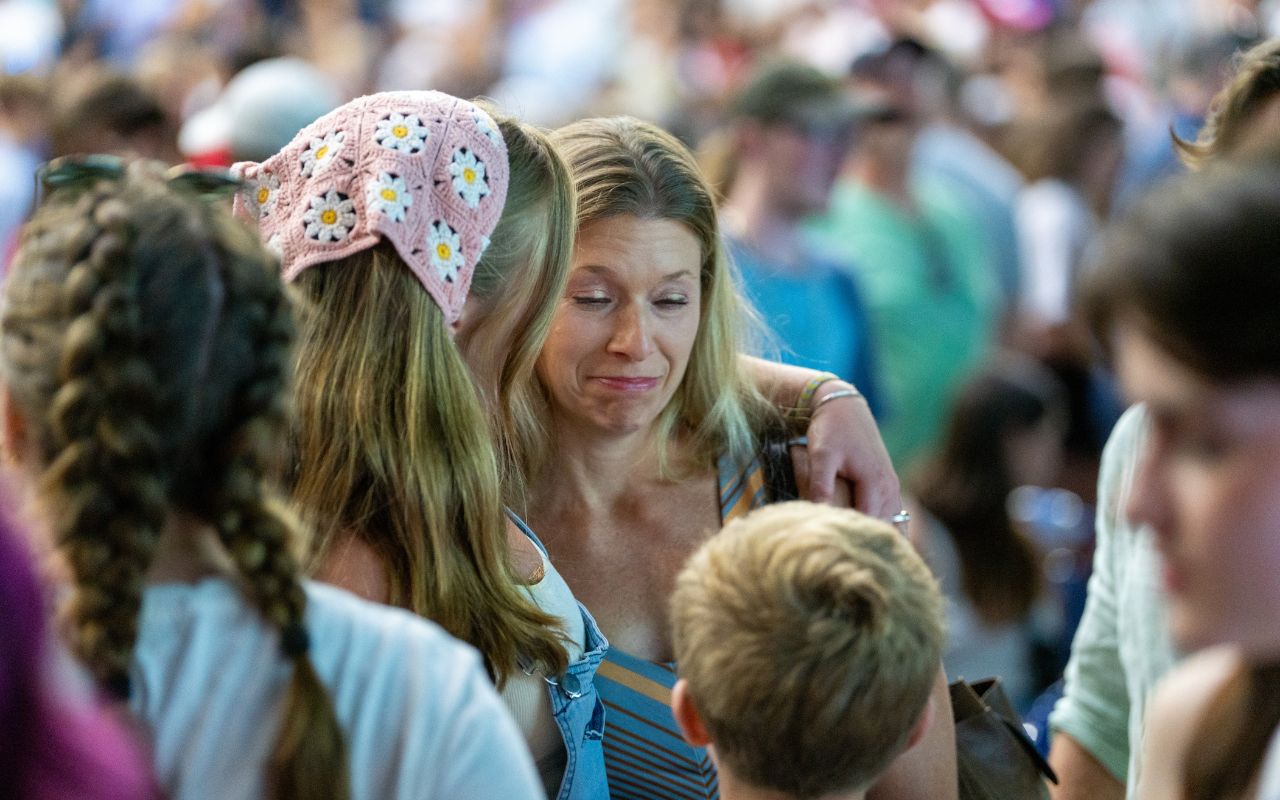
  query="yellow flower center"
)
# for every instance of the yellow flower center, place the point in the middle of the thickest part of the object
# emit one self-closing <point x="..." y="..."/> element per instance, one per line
<point x="263" y="194"/>
<point x="389" y="195"/>
<point x="400" y="131"/>
<point x="469" y="175"/>
<point x="322" y="152"/>
<point x="444" y="251"/>
<point x="328" y="216"/>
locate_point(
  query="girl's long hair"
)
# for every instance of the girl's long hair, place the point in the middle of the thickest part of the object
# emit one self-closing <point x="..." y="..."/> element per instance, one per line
<point x="393" y="446"/>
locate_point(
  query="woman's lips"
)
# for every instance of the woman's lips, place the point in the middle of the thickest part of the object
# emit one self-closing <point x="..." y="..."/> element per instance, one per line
<point x="623" y="384"/>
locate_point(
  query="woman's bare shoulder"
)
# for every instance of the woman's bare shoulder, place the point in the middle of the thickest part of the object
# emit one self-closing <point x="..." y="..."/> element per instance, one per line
<point x="1173" y="716"/>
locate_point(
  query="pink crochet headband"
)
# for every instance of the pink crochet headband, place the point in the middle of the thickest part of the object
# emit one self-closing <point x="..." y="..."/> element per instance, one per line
<point x="425" y="170"/>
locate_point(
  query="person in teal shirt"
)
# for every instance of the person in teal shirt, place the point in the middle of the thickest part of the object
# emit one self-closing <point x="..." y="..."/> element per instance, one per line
<point x="925" y="272"/>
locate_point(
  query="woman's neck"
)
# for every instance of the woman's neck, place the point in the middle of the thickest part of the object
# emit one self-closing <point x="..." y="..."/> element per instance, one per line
<point x="597" y="470"/>
<point x="189" y="549"/>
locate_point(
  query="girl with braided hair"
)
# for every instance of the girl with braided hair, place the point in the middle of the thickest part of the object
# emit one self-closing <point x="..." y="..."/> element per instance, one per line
<point x="145" y="346"/>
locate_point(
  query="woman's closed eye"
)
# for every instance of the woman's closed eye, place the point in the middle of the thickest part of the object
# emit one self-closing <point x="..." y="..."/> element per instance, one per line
<point x="590" y="298"/>
<point x="672" y="301"/>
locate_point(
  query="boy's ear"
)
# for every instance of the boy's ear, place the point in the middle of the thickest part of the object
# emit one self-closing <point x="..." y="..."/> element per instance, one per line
<point x="922" y="724"/>
<point x="687" y="717"/>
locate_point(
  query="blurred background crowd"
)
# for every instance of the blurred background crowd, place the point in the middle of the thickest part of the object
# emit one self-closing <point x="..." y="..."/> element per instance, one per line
<point x="920" y="233"/>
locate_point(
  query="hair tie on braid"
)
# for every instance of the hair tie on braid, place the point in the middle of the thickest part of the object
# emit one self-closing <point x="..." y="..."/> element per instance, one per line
<point x="117" y="685"/>
<point x="294" y="640"/>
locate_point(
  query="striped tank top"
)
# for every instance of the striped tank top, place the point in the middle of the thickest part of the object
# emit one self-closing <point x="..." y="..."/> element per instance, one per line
<point x="645" y="756"/>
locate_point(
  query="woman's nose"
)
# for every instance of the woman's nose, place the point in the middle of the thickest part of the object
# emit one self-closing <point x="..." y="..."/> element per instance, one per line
<point x="632" y="336"/>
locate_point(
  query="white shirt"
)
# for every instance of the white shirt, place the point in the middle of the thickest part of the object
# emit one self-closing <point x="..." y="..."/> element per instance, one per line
<point x="420" y="717"/>
<point x="1269" y="780"/>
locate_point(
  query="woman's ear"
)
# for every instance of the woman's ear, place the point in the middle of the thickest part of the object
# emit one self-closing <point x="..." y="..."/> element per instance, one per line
<point x="687" y="716"/>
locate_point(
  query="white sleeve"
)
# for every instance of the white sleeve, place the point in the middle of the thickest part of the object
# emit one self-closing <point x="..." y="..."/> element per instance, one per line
<point x="485" y="757"/>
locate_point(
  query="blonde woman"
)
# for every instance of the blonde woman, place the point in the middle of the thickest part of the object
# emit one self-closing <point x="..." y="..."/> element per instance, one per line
<point x="653" y="432"/>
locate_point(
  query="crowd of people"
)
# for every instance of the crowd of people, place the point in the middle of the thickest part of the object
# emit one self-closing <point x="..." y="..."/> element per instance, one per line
<point x="363" y="440"/>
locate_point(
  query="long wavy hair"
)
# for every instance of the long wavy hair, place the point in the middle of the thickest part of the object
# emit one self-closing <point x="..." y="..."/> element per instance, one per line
<point x="394" y="447"/>
<point x="1196" y="266"/>
<point x="965" y="485"/>
<point x="623" y="166"/>
<point x="145" y="340"/>
<point x="514" y="292"/>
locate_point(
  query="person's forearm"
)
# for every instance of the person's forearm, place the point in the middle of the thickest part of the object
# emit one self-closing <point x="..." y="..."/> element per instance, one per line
<point x="1080" y="775"/>
<point x="780" y="383"/>
<point x="928" y="770"/>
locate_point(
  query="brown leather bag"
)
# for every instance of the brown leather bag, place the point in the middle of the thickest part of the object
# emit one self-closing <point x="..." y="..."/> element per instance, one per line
<point x="994" y="757"/>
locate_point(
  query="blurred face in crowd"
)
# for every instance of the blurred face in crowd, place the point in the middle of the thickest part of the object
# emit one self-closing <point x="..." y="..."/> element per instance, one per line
<point x="621" y="338"/>
<point x="802" y="160"/>
<point x="1208" y="483"/>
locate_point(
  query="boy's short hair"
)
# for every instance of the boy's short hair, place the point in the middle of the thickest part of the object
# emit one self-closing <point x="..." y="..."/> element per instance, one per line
<point x="809" y="638"/>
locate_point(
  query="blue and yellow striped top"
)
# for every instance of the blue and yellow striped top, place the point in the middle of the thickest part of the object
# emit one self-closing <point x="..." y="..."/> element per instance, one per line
<point x="645" y="756"/>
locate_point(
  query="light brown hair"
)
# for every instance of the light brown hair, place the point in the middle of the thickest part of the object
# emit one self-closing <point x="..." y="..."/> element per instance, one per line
<point x="809" y="637"/>
<point x="146" y="343"/>
<point x="1255" y="82"/>
<point x="394" y="447"/>
<point x="514" y="292"/>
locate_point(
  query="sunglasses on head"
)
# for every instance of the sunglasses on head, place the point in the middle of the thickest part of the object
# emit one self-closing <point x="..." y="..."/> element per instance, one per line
<point x="81" y="171"/>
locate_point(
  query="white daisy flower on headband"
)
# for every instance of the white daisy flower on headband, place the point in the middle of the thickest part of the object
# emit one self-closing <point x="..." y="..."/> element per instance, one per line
<point x="388" y="194"/>
<point x="446" y="250"/>
<point x="484" y="245"/>
<point x="275" y="246"/>
<point x="403" y="132"/>
<point x="330" y="218"/>
<point x="468" y="176"/>
<point x="260" y="194"/>
<point x="486" y="126"/>
<point x="320" y="153"/>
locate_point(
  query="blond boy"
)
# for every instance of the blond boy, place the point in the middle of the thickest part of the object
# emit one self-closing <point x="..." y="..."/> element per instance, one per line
<point x="808" y="639"/>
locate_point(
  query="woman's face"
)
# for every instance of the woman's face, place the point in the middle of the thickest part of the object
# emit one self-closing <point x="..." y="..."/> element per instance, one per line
<point x="1208" y="483"/>
<point x="621" y="337"/>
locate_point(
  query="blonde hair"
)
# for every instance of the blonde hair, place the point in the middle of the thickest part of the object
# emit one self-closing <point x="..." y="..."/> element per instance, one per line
<point x="514" y="292"/>
<point x="809" y="637"/>
<point x="394" y="448"/>
<point x="146" y="341"/>
<point x="1255" y="82"/>
<point x="623" y="166"/>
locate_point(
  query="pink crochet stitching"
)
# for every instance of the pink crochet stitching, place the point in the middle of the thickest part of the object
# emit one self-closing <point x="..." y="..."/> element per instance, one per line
<point x="425" y="170"/>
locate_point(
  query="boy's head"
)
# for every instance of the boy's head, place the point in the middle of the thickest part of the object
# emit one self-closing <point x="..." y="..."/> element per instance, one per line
<point x="808" y="639"/>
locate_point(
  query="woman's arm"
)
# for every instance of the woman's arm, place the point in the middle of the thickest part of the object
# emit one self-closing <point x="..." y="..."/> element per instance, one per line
<point x="844" y="441"/>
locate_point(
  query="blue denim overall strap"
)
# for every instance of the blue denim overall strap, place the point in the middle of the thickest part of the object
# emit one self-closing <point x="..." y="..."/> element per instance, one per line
<point x="577" y="708"/>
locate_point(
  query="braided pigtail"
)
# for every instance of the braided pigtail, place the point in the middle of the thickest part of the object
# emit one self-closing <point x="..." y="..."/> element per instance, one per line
<point x="104" y="481"/>
<point x="145" y="340"/>
<point x="309" y="760"/>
